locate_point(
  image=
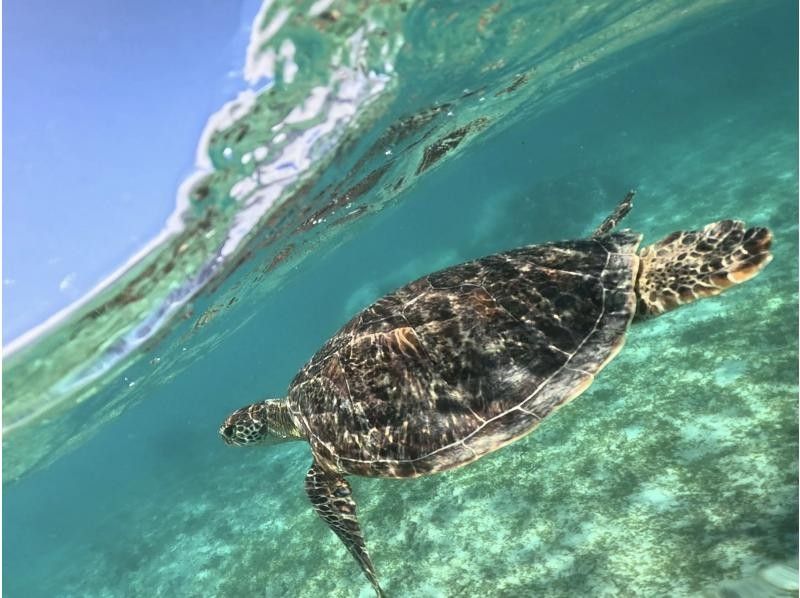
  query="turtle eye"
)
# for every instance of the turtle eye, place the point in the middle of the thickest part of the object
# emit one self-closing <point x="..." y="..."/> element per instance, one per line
<point x="227" y="433"/>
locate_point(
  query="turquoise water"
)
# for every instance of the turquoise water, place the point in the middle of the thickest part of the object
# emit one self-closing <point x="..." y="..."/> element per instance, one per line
<point x="673" y="475"/>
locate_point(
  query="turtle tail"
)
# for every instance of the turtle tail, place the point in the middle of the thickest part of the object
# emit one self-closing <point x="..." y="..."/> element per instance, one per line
<point x="689" y="265"/>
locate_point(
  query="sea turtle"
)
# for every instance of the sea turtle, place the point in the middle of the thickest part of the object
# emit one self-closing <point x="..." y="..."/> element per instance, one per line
<point x="466" y="360"/>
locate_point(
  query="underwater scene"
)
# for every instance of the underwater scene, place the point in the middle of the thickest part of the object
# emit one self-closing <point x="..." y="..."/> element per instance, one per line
<point x="373" y="143"/>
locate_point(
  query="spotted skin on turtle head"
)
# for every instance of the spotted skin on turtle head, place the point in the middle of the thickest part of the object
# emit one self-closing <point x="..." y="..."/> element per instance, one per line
<point x="267" y="422"/>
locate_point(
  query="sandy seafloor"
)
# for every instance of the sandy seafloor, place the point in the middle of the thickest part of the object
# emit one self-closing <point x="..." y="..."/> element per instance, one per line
<point x="674" y="474"/>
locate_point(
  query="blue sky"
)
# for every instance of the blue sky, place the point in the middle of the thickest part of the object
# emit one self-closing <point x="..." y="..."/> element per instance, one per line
<point x="103" y="105"/>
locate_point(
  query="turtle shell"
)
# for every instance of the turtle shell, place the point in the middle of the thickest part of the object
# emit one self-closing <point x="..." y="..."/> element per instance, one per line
<point x="468" y="359"/>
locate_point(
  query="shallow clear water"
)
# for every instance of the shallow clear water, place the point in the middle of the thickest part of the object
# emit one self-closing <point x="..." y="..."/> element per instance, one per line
<point x="674" y="474"/>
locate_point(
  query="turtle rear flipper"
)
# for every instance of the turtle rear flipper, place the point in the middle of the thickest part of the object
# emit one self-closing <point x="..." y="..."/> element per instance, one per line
<point x="333" y="501"/>
<point x="689" y="265"/>
<point x="614" y="218"/>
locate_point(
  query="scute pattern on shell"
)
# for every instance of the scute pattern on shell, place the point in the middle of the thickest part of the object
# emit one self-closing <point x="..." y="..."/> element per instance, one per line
<point x="465" y="360"/>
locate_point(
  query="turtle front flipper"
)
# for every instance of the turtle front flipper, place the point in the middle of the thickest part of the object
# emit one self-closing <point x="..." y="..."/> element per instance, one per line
<point x="689" y="265"/>
<point x="333" y="501"/>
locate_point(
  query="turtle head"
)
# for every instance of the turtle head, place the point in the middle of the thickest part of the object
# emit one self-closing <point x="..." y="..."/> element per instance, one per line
<point x="247" y="425"/>
<point x="268" y="422"/>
